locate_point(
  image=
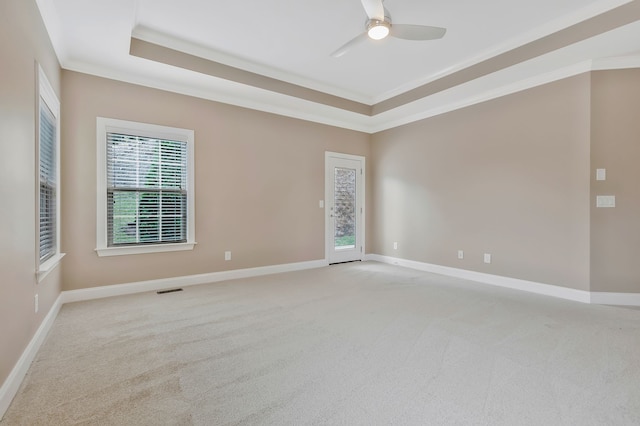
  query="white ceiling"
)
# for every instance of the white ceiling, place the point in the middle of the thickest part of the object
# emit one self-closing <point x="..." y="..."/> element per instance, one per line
<point x="291" y="40"/>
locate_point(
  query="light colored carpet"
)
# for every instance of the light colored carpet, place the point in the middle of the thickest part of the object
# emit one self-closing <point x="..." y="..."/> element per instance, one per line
<point x="351" y="344"/>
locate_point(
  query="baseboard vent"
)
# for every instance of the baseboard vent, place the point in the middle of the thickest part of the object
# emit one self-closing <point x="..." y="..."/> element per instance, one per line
<point x="173" y="290"/>
<point x="348" y="261"/>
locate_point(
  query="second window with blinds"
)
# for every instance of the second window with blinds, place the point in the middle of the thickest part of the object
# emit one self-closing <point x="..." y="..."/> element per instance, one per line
<point x="145" y="188"/>
<point x="48" y="149"/>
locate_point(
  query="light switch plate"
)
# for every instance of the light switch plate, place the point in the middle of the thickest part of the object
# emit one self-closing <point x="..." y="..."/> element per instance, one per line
<point x="601" y="174"/>
<point x="606" y="201"/>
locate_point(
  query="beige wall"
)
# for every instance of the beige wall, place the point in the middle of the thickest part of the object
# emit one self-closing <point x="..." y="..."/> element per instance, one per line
<point x="23" y="41"/>
<point x="259" y="178"/>
<point x="615" y="146"/>
<point x="508" y="177"/>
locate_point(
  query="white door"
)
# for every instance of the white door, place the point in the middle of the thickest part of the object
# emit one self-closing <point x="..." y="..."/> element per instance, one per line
<point x="344" y="195"/>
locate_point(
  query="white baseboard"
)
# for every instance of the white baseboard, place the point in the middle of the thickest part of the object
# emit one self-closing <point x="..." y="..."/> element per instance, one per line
<point x="166" y="283"/>
<point x="621" y="299"/>
<point x="496" y="280"/>
<point x="594" y="297"/>
<point x="12" y="384"/>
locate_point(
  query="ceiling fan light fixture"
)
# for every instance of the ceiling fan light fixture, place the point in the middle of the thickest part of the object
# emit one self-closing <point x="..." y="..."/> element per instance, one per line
<point x="377" y="30"/>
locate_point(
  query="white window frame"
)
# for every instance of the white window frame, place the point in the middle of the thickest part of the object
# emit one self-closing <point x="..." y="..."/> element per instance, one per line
<point x="110" y="125"/>
<point x="47" y="97"/>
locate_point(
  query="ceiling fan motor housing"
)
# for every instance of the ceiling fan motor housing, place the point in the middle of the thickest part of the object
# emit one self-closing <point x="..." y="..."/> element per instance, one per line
<point x="377" y="29"/>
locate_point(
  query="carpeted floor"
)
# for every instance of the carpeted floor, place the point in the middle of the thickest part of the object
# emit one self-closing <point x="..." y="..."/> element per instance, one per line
<point x="351" y="344"/>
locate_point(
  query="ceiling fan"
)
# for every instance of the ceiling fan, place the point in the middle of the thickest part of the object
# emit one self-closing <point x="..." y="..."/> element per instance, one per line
<point x="379" y="26"/>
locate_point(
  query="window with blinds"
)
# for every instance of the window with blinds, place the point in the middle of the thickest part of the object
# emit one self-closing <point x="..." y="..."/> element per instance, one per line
<point x="145" y="187"/>
<point x="147" y="190"/>
<point x="48" y="180"/>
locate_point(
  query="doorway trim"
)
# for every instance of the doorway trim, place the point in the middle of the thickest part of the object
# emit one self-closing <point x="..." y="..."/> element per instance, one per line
<point x="360" y="201"/>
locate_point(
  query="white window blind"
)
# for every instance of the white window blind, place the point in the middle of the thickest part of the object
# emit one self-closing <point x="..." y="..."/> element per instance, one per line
<point x="48" y="189"/>
<point x="147" y="190"/>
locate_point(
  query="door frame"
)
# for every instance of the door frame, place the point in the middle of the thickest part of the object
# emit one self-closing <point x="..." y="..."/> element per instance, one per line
<point x="360" y="202"/>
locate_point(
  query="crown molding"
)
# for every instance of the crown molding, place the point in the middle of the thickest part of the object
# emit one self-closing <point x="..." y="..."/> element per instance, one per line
<point x="555" y="65"/>
<point x="469" y="94"/>
<point x="236" y="94"/>
<point x="617" y="63"/>
<point x="462" y="96"/>
<point x="509" y="44"/>
<point x="156" y="37"/>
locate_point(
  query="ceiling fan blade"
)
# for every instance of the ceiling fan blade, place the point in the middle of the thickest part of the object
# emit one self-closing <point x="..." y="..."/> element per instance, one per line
<point x="374" y="9"/>
<point x="417" y="32"/>
<point x="348" y="45"/>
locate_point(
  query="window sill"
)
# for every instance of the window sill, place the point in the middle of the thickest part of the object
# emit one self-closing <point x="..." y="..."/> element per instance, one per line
<point x="156" y="248"/>
<point x="49" y="266"/>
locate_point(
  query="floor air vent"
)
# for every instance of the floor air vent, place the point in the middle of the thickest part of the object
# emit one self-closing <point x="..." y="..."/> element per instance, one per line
<point x="173" y="290"/>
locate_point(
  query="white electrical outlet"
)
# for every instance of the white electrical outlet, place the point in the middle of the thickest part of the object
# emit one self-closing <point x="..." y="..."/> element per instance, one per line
<point x="395" y="245"/>
<point x="487" y="258"/>
<point x="36" y="303"/>
<point x="460" y="254"/>
<point x="227" y="255"/>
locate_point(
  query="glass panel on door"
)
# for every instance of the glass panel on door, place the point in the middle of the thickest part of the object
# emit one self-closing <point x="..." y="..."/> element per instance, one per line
<point x="344" y="208"/>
